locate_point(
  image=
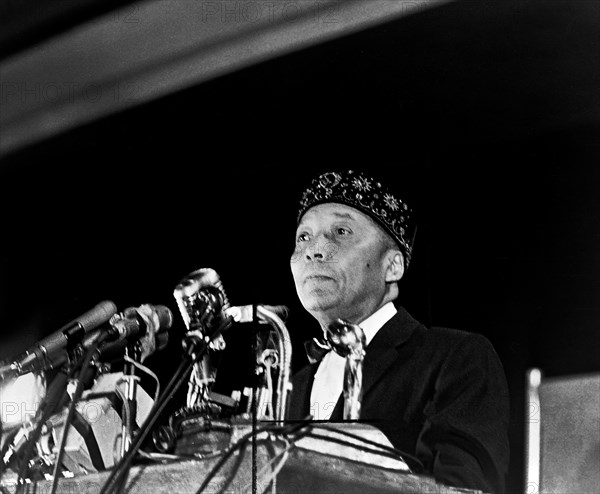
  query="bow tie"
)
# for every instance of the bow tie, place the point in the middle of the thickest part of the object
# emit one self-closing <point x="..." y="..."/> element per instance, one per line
<point x="316" y="349"/>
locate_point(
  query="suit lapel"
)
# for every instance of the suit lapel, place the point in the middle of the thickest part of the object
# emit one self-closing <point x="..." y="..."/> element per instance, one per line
<point x="300" y="402"/>
<point x="382" y="352"/>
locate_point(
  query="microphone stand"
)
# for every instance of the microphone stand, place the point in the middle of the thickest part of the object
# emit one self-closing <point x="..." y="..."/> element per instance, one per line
<point x="195" y="349"/>
<point x="50" y="404"/>
<point x="74" y="399"/>
<point x="130" y="404"/>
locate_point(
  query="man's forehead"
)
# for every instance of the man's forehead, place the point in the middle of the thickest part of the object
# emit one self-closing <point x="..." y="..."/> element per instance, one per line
<point x="332" y="210"/>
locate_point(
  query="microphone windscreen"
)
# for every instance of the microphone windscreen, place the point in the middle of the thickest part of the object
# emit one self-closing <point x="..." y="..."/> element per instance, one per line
<point x="162" y="339"/>
<point x="98" y="315"/>
<point x="199" y="295"/>
<point x="165" y="317"/>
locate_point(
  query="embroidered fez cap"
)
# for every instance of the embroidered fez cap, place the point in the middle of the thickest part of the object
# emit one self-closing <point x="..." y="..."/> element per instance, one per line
<point x="369" y="196"/>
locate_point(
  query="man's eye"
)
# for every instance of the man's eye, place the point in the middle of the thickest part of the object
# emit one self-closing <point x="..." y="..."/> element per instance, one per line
<point x="340" y="230"/>
<point x="303" y="237"/>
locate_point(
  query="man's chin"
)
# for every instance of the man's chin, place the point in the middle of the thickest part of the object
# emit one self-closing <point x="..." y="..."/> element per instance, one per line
<point x="320" y="303"/>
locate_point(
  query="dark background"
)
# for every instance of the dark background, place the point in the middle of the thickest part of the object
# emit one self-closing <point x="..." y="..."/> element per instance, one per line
<point x="485" y="115"/>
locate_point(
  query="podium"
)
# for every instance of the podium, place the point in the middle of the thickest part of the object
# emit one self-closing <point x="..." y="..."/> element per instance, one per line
<point x="326" y="460"/>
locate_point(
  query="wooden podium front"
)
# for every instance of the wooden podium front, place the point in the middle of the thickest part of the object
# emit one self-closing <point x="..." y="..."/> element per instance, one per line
<point x="314" y="464"/>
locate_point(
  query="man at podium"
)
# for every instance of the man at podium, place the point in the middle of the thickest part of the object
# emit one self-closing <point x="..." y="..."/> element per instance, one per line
<point x="438" y="394"/>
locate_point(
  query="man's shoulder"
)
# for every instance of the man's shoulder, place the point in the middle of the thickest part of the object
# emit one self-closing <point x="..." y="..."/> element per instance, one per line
<point x="442" y="334"/>
<point x="454" y="344"/>
<point x="455" y="335"/>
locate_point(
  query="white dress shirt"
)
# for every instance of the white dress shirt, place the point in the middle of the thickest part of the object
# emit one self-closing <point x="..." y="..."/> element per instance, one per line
<point x="329" y="378"/>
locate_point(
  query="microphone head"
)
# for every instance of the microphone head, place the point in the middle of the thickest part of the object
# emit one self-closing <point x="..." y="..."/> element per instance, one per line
<point x="162" y="340"/>
<point x="100" y="314"/>
<point x="200" y="298"/>
<point x="40" y="355"/>
<point x="345" y="338"/>
<point x="151" y="323"/>
<point x="155" y="319"/>
<point x="165" y="317"/>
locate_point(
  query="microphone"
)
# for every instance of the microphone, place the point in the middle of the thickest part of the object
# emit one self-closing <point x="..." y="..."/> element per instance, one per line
<point x="147" y="325"/>
<point x="43" y="354"/>
<point x="346" y="339"/>
<point x="245" y="313"/>
<point x="202" y="302"/>
<point x="124" y="328"/>
<point x="349" y="341"/>
<point x="138" y="322"/>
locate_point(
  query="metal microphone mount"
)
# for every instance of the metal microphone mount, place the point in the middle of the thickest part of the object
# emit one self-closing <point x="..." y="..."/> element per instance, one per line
<point x="348" y="340"/>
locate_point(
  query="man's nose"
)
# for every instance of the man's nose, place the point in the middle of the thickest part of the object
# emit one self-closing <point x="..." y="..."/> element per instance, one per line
<point x="318" y="250"/>
<point x="314" y="252"/>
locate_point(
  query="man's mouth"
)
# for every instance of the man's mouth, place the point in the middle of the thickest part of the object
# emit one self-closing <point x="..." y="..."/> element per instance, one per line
<point x="318" y="277"/>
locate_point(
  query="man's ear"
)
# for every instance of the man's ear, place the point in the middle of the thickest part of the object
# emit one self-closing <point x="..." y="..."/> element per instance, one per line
<point x="395" y="268"/>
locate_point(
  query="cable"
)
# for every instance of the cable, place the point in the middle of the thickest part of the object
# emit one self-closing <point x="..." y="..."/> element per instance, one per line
<point x="125" y="419"/>
<point x="67" y="425"/>
<point x="119" y="474"/>
<point x="54" y="397"/>
<point x="165" y="457"/>
<point x="297" y="430"/>
<point x="285" y="429"/>
<point x="145" y="369"/>
<point x="358" y="447"/>
<point x="228" y="452"/>
<point x="8" y="440"/>
<point x="389" y="449"/>
<point x="254" y="427"/>
<point x="285" y="454"/>
<point x="27" y="453"/>
<point x="125" y="402"/>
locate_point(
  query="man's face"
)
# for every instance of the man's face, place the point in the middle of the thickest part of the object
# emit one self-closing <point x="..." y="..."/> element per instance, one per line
<point x="338" y="263"/>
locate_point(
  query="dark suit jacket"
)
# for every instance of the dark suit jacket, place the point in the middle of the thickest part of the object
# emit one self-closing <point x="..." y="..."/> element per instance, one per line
<point x="437" y="394"/>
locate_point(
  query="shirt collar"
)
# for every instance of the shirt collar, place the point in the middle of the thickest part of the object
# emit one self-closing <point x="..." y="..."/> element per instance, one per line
<point x="372" y="324"/>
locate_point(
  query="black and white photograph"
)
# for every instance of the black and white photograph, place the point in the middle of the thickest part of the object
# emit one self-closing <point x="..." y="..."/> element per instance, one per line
<point x="300" y="246"/>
